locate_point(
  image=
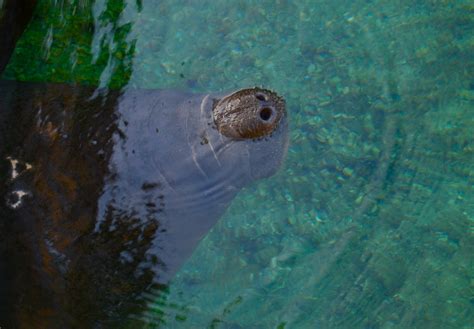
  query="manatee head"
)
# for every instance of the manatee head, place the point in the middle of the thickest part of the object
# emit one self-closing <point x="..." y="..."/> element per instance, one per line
<point x="256" y="119"/>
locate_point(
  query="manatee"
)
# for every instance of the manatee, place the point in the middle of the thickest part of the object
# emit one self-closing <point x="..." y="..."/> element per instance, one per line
<point x="105" y="193"/>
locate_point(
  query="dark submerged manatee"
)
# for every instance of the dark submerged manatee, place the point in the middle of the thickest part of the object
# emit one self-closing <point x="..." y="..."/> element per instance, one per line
<point x="105" y="194"/>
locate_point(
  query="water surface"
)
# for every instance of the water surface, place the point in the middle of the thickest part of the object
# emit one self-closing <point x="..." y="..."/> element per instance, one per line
<point x="371" y="222"/>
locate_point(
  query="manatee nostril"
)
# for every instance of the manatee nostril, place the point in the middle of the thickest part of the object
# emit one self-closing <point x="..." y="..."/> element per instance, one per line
<point x="266" y="113"/>
<point x="248" y="113"/>
<point x="261" y="97"/>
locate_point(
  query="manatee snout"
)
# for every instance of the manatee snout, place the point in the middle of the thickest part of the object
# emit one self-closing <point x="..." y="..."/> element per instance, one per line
<point x="249" y="113"/>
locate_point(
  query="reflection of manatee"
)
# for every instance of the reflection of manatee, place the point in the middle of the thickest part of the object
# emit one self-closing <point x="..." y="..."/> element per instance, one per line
<point x="108" y="193"/>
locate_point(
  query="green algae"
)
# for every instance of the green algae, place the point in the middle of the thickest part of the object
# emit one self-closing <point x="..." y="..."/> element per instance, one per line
<point x="58" y="45"/>
<point x="371" y="222"/>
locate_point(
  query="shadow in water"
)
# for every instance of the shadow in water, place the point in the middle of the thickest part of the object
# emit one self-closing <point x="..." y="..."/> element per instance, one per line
<point x="14" y="17"/>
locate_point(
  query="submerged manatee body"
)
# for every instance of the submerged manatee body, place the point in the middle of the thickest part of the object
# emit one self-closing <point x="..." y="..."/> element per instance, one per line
<point x="105" y="194"/>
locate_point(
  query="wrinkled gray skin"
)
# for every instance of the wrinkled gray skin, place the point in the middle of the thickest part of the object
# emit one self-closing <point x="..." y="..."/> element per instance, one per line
<point x="198" y="169"/>
<point x="106" y="194"/>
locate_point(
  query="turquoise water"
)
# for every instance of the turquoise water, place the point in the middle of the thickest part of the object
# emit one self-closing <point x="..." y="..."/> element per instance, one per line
<point x="370" y="224"/>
